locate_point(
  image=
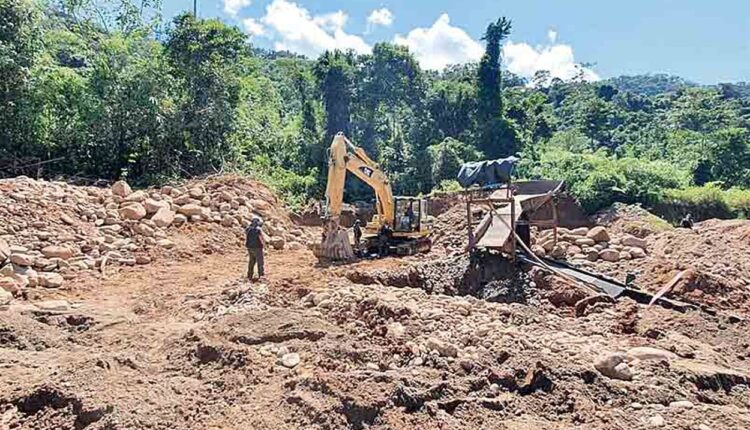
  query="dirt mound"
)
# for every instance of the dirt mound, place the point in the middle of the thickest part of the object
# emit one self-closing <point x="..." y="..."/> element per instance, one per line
<point x="54" y="232"/>
<point x="621" y="218"/>
<point x="715" y="255"/>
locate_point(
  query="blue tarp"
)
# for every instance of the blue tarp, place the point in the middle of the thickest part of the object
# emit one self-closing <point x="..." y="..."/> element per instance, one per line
<point x="485" y="173"/>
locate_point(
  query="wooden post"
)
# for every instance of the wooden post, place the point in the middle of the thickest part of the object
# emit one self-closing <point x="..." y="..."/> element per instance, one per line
<point x="469" y="222"/>
<point x="512" y="228"/>
<point x="554" y="219"/>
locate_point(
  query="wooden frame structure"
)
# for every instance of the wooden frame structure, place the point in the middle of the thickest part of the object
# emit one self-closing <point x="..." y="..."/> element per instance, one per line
<point x="497" y="229"/>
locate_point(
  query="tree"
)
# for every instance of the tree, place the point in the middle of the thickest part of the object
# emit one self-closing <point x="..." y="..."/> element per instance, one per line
<point x="19" y="45"/>
<point x="496" y="134"/>
<point x="334" y="71"/>
<point x="205" y="55"/>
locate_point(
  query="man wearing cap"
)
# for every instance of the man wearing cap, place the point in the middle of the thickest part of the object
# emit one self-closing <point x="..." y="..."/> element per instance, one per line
<point x="254" y="243"/>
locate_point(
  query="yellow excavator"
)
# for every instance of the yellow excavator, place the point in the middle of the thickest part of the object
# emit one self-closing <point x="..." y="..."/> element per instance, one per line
<point x="408" y="223"/>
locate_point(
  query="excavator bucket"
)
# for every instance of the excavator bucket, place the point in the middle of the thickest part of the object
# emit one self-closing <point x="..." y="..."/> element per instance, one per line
<point x="335" y="245"/>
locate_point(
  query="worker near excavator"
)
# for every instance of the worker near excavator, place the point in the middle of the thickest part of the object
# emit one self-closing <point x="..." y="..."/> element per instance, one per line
<point x="254" y="242"/>
<point x="384" y="237"/>
<point x="357" y="229"/>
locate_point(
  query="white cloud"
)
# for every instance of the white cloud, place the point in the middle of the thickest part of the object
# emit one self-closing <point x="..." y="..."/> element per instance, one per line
<point x="441" y="45"/>
<point x="381" y="16"/>
<point x="233" y="7"/>
<point x="558" y="59"/>
<point x="297" y="31"/>
<point x="253" y="27"/>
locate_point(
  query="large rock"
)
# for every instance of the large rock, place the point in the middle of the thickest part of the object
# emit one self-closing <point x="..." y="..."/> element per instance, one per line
<point x="152" y="206"/>
<point x="191" y="209"/>
<point x="599" y="234"/>
<point x="4" y="251"/>
<point x="50" y="279"/>
<point x="138" y="196"/>
<point x="121" y="188"/>
<point x="10" y="285"/>
<point x="5" y="297"/>
<point x="614" y="366"/>
<point x="443" y="348"/>
<point x="133" y="211"/>
<point x="55" y="251"/>
<point x="609" y="255"/>
<point x="290" y="360"/>
<point x="634" y="241"/>
<point x="637" y="252"/>
<point x="163" y="217"/>
<point x="645" y="353"/>
<point x="53" y="306"/>
<point x="22" y="260"/>
<point x="277" y="242"/>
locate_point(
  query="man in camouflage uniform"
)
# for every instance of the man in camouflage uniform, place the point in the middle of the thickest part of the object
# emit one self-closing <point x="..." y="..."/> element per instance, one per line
<point x="254" y="242"/>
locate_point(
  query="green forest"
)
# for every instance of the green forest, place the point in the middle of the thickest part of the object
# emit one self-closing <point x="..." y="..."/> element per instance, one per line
<point x="93" y="90"/>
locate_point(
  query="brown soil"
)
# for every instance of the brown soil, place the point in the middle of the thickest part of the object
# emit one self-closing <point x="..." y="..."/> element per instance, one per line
<point x="187" y="343"/>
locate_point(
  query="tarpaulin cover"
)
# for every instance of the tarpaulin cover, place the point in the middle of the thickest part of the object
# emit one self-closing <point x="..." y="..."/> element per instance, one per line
<point x="488" y="172"/>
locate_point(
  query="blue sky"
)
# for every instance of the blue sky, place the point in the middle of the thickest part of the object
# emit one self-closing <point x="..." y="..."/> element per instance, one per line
<point x="704" y="41"/>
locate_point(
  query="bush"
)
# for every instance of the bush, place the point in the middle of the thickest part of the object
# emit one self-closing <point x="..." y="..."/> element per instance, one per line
<point x="598" y="180"/>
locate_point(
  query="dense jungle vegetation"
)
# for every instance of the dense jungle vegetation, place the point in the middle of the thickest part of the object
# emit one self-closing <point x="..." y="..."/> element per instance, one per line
<point x="90" y="92"/>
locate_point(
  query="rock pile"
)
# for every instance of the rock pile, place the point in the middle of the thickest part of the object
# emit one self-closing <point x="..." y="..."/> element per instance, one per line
<point x="592" y="244"/>
<point x="53" y="231"/>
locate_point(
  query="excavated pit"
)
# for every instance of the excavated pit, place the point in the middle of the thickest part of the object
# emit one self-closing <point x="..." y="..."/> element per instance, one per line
<point x="490" y="277"/>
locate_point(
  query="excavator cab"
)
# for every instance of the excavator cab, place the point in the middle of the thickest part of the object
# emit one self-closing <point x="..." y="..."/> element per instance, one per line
<point x="409" y="213"/>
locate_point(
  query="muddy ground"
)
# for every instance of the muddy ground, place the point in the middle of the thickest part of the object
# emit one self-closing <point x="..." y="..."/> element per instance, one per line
<point x="187" y="343"/>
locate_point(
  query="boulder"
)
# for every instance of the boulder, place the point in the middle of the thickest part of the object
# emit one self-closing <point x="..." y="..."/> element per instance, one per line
<point x="10" y="285"/>
<point x="196" y="192"/>
<point x="624" y="255"/>
<point x="290" y="360"/>
<point x="50" y="279"/>
<point x="538" y="251"/>
<point x="121" y="188"/>
<point x="5" y="297"/>
<point x="138" y="196"/>
<point x="443" y="348"/>
<point x="143" y="230"/>
<point x="592" y="255"/>
<point x="580" y="231"/>
<point x="191" y="209"/>
<point x="24" y="260"/>
<point x="152" y="206"/>
<point x="637" y="252"/>
<point x="645" y="353"/>
<point x="55" y="251"/>
<point x="598" y="234"/>
<point x="573" y="250"/>
<point x="134" y="211"/>
<point x="53" y="306"/>
<point x="228" y="221"/>
<point x="585" y="241"/>
<point x="4" y="251"/>
<point x="164" y="217"/>
<point x="634" y="242"/>
<point x="165" y="243"/>
<point x="277" y="242"/>
<point x="614" y="366"/>
<point x="558" y="251"/>
<point x="609" y="255"/>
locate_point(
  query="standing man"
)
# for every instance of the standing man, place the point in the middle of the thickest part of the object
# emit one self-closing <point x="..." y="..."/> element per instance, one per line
<point x="357" y="235"/>
<point x="384" y="237"/>
<point x="254" y="243"/>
